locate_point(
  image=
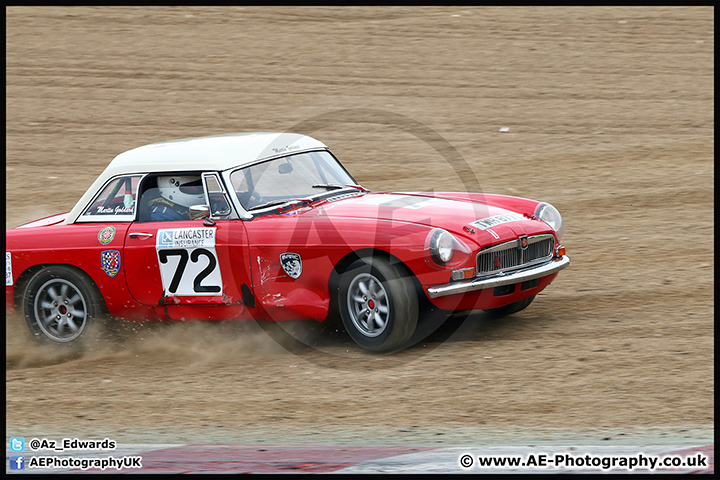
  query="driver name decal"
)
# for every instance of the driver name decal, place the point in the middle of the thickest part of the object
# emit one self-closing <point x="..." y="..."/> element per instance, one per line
<point x="118" y="210"/>
<point x="485" y="223"/>
<point x="188" y="262"/>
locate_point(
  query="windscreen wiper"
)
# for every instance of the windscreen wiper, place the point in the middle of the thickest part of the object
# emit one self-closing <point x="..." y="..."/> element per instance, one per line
<point x="294" y="202"/>
<point x="337" y="186"/>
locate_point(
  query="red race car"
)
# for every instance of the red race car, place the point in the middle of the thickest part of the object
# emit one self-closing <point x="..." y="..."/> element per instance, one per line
<point x="271" y="226"/>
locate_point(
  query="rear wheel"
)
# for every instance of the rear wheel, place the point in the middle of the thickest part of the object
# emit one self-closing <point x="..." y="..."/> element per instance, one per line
<point x="62" y="307"/>
<point x="378" y="305"/>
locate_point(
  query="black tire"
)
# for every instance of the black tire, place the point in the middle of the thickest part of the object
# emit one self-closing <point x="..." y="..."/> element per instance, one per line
<point x="378" y="305"/>
<point x="63" y="307"/>
<point x="510" y="309"/>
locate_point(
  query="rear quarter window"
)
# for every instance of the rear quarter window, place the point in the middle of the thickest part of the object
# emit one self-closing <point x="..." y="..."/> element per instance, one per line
<point x="115" y="202"/>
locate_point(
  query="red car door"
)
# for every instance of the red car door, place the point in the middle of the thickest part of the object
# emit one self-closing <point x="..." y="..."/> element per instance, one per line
<point x="184" y="268"/>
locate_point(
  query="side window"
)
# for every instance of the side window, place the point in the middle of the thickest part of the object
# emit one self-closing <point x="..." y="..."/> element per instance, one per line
<point x="115" y="202"/>
<point x="169" y="196"/>
<point x="148" y="194"/>
<point x="219" y="203"/>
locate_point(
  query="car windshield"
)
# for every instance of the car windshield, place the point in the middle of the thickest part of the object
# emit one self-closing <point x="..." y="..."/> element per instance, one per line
<point x="289" y="178"/>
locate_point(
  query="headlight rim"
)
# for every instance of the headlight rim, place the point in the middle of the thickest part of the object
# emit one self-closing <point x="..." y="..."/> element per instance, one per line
<point x="435" y="246"/>
<point x="551" y="216"/>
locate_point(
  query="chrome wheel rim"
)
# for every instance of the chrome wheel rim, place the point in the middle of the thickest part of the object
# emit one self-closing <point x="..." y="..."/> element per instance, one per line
<point x="368" y="305"/>
<point x="60" y="310"/>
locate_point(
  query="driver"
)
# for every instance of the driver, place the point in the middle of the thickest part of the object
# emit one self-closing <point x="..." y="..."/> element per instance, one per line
<point x="177" y="194"/>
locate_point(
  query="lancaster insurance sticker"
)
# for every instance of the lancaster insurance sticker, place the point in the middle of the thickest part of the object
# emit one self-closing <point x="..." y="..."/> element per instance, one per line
<point x="188" y="261"/>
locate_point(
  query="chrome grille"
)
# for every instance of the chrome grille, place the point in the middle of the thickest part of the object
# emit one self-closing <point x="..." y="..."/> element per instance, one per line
<point x="511" y="256"/>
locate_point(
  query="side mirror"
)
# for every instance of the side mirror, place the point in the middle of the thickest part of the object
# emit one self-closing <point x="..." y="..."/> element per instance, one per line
<point x="199" y="211"/>
<point x="284" y="168"/>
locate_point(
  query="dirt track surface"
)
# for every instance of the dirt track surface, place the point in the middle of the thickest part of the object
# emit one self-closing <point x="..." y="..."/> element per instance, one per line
<point x="610" y="118"/>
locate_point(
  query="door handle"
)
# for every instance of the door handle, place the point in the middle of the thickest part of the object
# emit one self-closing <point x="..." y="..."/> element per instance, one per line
<point x="140" y="234"/>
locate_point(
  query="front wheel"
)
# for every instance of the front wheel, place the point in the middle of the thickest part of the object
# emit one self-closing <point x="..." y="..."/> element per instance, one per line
<point x="62" y="307"/>
<point x="378" y="305"/>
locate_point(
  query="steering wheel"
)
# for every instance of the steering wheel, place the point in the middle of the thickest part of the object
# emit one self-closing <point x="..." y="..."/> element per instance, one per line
<point x="250" y="199"/>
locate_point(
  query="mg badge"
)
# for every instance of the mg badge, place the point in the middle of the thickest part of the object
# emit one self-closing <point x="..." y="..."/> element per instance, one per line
<point x="523" y="242"/>
<point x="291" y="263"/>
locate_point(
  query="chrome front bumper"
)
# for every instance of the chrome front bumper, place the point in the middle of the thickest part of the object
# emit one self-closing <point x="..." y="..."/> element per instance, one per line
<point x="544" y="270"/>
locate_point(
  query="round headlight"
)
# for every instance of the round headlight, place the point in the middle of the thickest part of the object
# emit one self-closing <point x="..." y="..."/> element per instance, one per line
<point x="441" y="246"/>
<point x="550" y="215"/>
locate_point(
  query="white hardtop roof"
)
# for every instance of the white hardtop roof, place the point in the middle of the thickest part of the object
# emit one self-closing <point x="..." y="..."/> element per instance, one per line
<point x="218" y="152"/>
<point x="212" y="153"/>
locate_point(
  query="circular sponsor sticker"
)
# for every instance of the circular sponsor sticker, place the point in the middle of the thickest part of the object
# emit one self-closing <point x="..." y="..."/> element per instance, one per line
<point x="106" y="235"/>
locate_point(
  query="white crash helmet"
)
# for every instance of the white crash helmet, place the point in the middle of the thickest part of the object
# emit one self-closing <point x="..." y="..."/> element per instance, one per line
<point x="185" y="190"/>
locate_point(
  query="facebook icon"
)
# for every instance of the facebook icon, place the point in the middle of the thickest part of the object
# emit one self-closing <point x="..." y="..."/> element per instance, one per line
<point x="17" y="462"/>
